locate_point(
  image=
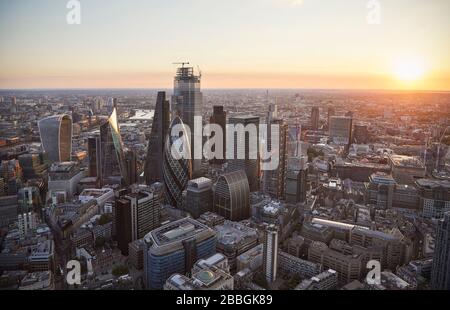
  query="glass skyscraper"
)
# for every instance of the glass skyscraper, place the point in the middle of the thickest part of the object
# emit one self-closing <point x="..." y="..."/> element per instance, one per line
<point x="177" y="171"/>
<point x="56" y="137"/>
<point x="187" y="102"/>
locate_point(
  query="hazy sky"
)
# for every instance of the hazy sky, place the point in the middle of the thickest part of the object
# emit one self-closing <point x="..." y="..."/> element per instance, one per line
<point x="237" y="43"/>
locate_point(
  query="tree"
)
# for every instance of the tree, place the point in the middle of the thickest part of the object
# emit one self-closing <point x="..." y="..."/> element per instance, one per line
<point x="99" y="242"/>
<point x="104" y="219"/>
<point x="120" y="270"/>
<point x="261" y="280"/>
<point x="313" y="153"/>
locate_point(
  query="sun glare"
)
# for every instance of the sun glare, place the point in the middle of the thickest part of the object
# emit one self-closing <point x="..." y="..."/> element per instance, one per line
<point x="409" y="69"/>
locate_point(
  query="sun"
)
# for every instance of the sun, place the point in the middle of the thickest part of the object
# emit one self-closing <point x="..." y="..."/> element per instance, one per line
<point x="409" y="69"/>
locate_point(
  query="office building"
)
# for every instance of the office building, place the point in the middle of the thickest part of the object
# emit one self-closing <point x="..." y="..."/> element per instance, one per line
<point x="348" y="267"/>
<point x="177" y="171"/>
<point x="56" y="137"/>
<point x="94" y="156"/>
<point x="315" y="115"/>
<point x="245" y="149"/>
<point x="291" y="265"/>
<point x="233" y="239"/>
<point x="341" y="130"/>
<point x="274" y="181"/>
<point x="440" y="271"/>
<point x="113" y="163"/>
<point x="136" y="214"/>
<point x="219" y="117"/>
<point x="296" y="177"/>
<point x="232" y="196"/>
<point x="153" y="171"/>
<point x="63" y="179"/>
<point x="188" y="102"/>
<point x="361" y="134"/>
<point x="270" y="253"/>
<point x="174" y="248"/>
<point x="406" y="169"/>
<point x="199" y="197"/>
<point x="434" y="196"/>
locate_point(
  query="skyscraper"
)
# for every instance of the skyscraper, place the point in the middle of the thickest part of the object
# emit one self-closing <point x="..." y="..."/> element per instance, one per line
<point x="315" y="114"/>
<point x="296" y="177"/>
<point x="440" y="272"/>
<point x="136" y="214"/>
<point x="153" y="171"/>
<point x="113" y="163"/>
<point x="56" y="137"/>
<point x="274" y="180"/>
<point x="232" y="196"/>
<point x="188" y="101"/>
<point x="94" y="156"/>
<point x="270" y="253"/>
<point x="247" y="145"/>
<point x="219" y="117"/>
<point x="177" y="171"/>
<point x="341" y="129"/>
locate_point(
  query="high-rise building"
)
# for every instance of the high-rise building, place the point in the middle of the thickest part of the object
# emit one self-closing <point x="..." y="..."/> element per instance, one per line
<point x="434" y="196"/>
<point x="315" y="115"/>
<point x="360" y="134"/>
<point x="153" y="171"/>
<point x="270" y="253"/>
<point x="177" y="171"/>
<point x="113" y="163"/>
<point x="341" y="130"/>
<point x="248" y="146"/>
<point x="274" y="180"/>
<point x="94" y="157"/>
<point x="131" y="159"/>
<point x="174" y="248"/>
<point x="232" y="196"/>
<point x="56" y="137"/>
<point x="188" y="101"/>
<point x="199" y="197"/>
<point x="440" y="272"/>
<point x="219" y="117"/>
<point x="296" y="177"/>
<point x="136" y="214"/>
<point x="331" y="113"/>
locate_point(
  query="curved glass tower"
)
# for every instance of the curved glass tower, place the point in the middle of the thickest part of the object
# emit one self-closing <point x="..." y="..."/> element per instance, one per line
<point x="56" y="137"/>
<point x="113" y="164"/>
<point x="177" y="170"/>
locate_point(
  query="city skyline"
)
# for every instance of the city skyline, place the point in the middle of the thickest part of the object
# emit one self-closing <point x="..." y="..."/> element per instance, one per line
<point x="265" y="44"/>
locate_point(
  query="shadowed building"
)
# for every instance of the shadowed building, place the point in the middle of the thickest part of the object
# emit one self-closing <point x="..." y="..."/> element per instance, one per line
<point x="219" y="117"/>
<point x="232" y="196"/>
<point x="247" y="145"/>
<point x="56" y="137"/>
<point x="160" y="127"/>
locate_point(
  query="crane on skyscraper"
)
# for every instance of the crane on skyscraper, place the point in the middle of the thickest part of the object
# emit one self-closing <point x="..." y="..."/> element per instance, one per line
<point x="181" y="63"/>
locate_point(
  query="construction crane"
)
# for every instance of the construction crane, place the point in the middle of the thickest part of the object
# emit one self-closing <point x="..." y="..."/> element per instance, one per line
<point x="181" y="63"/>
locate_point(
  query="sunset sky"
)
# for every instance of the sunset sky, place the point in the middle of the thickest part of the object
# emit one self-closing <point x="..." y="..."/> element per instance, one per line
<point x="237" y="44"/>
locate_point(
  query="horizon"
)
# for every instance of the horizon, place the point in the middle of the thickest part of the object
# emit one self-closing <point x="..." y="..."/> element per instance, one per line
<point x="281" y="44"/>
